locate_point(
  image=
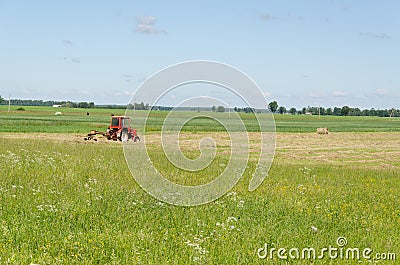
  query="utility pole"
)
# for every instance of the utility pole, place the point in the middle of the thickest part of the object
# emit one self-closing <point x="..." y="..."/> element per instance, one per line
<point x="319" y="112"/>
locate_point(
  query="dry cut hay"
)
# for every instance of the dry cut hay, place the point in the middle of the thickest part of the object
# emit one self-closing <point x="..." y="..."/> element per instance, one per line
<point x="324" y="130"/>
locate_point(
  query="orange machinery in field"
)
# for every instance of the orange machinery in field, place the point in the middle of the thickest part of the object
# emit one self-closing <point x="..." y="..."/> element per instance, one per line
<point x="119" y="129"/>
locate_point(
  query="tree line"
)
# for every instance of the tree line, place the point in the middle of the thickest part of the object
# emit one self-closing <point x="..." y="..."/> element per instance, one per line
<point x="39" y="102"/>
<point x="273" y="107"/>
<point x="71" y="104"/>
<point x="335" y="111"/>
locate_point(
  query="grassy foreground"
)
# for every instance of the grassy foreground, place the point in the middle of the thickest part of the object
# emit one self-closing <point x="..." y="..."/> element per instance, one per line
<point x="66" y="201"/>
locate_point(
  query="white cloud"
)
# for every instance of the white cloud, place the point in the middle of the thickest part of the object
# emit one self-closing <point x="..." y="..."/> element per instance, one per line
<point x="75" y="60"/>
<point x="315" y="95"/>
<point x="267" y="17"/>
<point x="128" y="93"/>
<point x="267" y="94"/>
<point x="381" y="92"/>
<point x="68" y="42"/>
<point x="123" y="93"/>
<point x="376" y="35"/>
<point x="28" y="92"/>
<point x="339" y="93"/>
<point x="147" y="25"/>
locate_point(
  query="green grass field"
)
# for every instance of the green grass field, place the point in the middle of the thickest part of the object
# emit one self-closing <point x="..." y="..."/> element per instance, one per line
<point x="67" y="201"/>
<point x="42" y="119"/>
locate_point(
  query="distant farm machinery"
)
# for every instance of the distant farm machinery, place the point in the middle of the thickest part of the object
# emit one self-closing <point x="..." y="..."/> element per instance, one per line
<point x="119" y="129"/>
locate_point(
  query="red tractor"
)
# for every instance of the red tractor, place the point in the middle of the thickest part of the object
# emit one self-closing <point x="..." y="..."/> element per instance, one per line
<point x="119" y="129"/>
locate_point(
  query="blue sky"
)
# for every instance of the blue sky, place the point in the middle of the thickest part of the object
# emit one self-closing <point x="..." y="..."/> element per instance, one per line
<point x="328" y="53"/>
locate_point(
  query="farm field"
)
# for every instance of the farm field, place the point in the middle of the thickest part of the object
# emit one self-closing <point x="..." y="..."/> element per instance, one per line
<point x="64" y="200"/>
<point x="42" y="119"/>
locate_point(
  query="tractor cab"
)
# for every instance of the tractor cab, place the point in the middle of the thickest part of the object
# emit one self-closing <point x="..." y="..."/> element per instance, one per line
<point x="118" y="122"/>
<point x="120" y="129"/>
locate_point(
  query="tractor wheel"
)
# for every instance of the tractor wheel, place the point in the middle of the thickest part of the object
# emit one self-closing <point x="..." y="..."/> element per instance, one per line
<point x="124" y="136"/>
<point x="136" y="139"/>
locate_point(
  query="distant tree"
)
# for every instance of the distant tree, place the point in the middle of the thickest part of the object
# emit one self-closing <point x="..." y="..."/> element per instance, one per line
<point x="372" y="112"/>
<point x="318" y="111"/>
<point x="1" y="100"/>
<point x="355" y="112"/>
<point x="83" y="105"/>
<point x="249" y="110"/>
<point x="329" y="111"/>
<point x="138" y="106"/>
<point x="337" y="111"/>
<point x="273" y="106"/>
<point x="345" y="111"/>
<point x="66" y="104"/>
<point x="394" y="112"/>
<point x="91" y="105"/>
<point x="313" y="110"/>
<point x="220" y="109"/>
<point x="282" y="110"/>
<point x="213" y="108"/>
<point x="293" y="111"/>
<point x="383" y="113"/>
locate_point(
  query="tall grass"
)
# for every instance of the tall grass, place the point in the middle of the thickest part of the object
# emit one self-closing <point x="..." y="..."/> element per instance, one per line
<point x="76" y="203"/>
